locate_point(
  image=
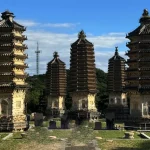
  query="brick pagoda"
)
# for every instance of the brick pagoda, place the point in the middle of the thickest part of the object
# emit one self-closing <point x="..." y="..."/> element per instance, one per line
<point x="56" y="85"/>
<point x="12" y="73"/>
<point x="82" y="85"/>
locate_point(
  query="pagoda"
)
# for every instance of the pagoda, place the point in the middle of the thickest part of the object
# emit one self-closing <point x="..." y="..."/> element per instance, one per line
<point x="138" y="71"/>
<point x="56" y="85"/>
<point x="117" y="107"/>
<point x="12" y="73"/>
<point x="82" y="84"/>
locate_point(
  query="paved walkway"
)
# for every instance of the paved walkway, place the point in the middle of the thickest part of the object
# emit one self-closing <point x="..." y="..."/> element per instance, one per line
<point x="91" y="145"/>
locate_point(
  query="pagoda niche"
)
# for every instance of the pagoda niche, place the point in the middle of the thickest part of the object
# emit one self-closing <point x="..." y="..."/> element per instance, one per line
<point x="82" y="84"/>
<point x="138" y="71"/>
<point x="56" y="86"/>
<point x="12" y="73"/>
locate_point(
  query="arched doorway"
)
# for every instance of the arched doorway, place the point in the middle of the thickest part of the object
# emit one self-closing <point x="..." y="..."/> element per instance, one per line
<point x="4" y="107"/>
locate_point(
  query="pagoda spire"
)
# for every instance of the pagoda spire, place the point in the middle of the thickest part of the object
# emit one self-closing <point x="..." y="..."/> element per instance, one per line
<point x="145" y="17"/>
<point x="7" y="15"/>
<point x="145" y="12"/>
<point x="116" y="51"/>
<point x="81" y="35"/>
<point x="55" y="55"/>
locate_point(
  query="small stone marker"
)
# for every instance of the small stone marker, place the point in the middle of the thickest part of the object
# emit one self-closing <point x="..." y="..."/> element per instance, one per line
<point x="98" y="126"/>
<point x="53" y="137"/>
<point x="98" y="138"/>
<point x="64" y="124"/>
<point x="38" y="119"/>
<point x="24" y="135"/>
<point x="52" y="125"/>
<point x="129" y="135"/>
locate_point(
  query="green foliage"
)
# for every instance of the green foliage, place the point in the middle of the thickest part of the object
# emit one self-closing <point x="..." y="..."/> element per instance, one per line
<point x="37" y="84"/>
<point x="102" y="95"/>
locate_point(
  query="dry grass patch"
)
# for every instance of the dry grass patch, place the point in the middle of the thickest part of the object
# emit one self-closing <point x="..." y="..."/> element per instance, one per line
<point x="38" y="146"/>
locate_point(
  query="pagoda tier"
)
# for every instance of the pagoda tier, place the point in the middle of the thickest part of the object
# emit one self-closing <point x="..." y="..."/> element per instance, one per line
<point x="56" y="77"/>
<point x="56" y="83"/>
<point x="12" y="70"/>
<point x="138" y="71"/>
<point x="116" y="73"/>
<point x="82" y="82"/>
<point x="82" y="67"/>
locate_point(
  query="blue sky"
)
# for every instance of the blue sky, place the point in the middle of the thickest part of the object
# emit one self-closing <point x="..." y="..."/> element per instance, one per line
<point x="56" y="23"/>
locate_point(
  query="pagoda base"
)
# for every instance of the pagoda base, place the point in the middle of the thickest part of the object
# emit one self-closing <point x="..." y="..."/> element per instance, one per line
<point x="9" y="126"/>
<point x="116" y="112"/>
<point x="83" y="115"/>
<point x="94" y="115"/>
<point x="19" y="126"/>
<point x="140" y="105"/>
<point x="83" y="101"/>
<point x="134" y="123"/>
<point x="55" y="113"/>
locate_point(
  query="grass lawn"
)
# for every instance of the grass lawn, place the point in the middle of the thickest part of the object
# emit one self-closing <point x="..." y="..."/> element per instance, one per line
<point x="113" y="134"/>
<point x="2" y="135"/>
<point x="124" y="144"/>
<point x="147" y="133"/>
<point x="38" y="138"/>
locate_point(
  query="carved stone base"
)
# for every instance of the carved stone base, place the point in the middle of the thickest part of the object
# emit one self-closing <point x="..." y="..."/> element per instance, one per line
<point x="9" y="126"/>
<point x="19" y="126"/>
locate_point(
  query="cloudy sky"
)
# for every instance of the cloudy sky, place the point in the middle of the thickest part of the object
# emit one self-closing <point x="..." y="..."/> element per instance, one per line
<point x="55" y="24"/>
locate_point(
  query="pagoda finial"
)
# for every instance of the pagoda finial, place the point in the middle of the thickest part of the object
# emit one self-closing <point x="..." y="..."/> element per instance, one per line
<point x="55" y="54"/>
<point x="7" y="14"/>
<point x="81" y="35"/>
<point x="145" y="12"/>
<point x="116" y="50"/>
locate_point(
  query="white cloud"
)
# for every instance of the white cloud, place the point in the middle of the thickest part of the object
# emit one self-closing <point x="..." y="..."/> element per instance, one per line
<point x="117" y="33"/>
<point x="30" y="23"/>
<point x="50" y="42"/>
<point x="60" y="25"/>
<point x="27" y="23"/>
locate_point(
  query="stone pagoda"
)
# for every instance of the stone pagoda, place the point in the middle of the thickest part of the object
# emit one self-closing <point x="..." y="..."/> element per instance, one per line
<point x="117" y="107"/>
<point x="12" y="73"/>
<point x="82" y="85"/>
<point x="56" y="85"/>
<point x="138" y="71"/>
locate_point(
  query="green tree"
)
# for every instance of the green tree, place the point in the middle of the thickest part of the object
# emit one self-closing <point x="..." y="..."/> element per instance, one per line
<point x="37" y="85"/>
<point x="102" y="95"/>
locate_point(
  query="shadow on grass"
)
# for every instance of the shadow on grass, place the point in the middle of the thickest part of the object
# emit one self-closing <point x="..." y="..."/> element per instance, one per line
<point x="79" y="148"/>
<point x="144" y="145"/>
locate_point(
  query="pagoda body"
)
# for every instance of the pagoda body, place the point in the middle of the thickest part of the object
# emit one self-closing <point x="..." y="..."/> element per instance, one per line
<point x="12" y="73"/>
<point x="116" y="82"/>
<point x="138" y="72"/>
<point x="56" y="85"/>
<point x="82" y="84"/>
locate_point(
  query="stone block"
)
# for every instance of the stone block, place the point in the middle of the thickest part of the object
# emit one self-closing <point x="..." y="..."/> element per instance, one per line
<point x="38" y="119"/>
<point x="52" y="125"/>
<point x="64" y="124"/>
<point x="98" y="126"/>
